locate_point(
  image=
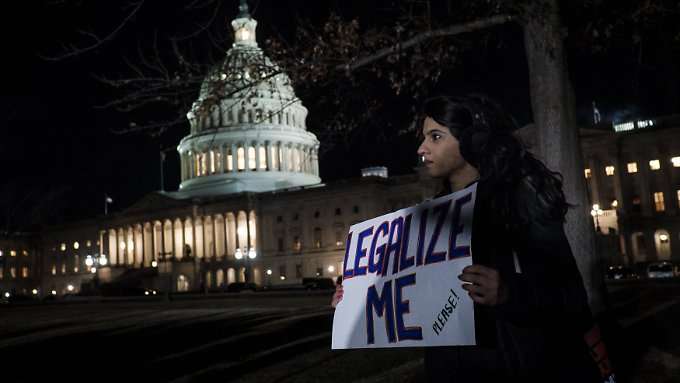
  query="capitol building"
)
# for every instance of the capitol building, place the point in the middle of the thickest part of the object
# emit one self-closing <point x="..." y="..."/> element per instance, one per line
<point x="251" y="206"/>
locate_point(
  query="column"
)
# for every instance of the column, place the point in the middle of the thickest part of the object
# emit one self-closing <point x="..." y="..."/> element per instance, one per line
<point x="214" y="235"/>
<point x="223" y="159"/>
<point x="257" y="155"/>
<point x="224" y="216"/>
<point x="234" y="158"/>
<point x="284" y="157"/>
<point x="144" y="239"/>
<point x="268" y="154"/>
<point x="162" y="239"/>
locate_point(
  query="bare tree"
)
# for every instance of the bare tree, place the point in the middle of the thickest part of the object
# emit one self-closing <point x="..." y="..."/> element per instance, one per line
<point x="341" y="64"/>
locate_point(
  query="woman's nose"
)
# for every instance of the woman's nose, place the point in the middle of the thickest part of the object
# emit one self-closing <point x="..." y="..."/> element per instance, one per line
<point x="422" y="149"/>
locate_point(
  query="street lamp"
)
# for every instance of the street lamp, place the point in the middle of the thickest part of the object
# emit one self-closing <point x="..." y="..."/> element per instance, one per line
<point x="596" y="212"/>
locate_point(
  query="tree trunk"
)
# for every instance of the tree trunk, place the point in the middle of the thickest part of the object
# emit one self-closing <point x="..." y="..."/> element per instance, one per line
<point x="557" y="141"/>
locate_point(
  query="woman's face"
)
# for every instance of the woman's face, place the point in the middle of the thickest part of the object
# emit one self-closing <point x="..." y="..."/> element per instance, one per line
<point x="440" y="151"/>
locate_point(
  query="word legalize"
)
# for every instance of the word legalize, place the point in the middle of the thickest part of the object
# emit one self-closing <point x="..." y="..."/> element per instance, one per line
<point x="398" y="270"/>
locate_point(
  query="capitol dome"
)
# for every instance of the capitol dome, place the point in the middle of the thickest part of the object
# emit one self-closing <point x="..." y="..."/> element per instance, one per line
<point x="248" y="130"/>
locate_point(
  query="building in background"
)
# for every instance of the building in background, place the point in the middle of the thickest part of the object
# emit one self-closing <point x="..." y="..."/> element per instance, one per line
<point x="633" y="176"/>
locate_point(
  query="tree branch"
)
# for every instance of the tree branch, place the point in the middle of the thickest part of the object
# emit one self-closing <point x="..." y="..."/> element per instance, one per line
<point x="424" y="36"/>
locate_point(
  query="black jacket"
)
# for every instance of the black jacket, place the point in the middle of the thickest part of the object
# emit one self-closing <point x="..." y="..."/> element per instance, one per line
<point x="538" y="333"/>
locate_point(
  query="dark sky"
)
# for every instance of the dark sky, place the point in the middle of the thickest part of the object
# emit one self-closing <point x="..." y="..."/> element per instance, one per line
<point x="57" y="146"/>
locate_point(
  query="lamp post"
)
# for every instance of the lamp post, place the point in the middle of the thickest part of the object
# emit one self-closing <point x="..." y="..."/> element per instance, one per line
<point x="596" y="212"/>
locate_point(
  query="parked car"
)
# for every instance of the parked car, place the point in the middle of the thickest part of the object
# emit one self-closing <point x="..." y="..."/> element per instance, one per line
<point x="621" y="272"/>
<point x="318" y="283"/>
<point x="660" y="270"/>
<point x="237" y="287"/>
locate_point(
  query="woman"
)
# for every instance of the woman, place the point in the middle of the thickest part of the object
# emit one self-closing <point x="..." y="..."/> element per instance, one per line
<point x="531" y="309"/>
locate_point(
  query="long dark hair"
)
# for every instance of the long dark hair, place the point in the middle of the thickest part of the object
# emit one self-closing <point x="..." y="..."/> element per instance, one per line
<point x="485" y="134"/>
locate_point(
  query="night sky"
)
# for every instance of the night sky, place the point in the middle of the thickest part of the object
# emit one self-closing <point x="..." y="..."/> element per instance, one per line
<point x="59" y="151"/>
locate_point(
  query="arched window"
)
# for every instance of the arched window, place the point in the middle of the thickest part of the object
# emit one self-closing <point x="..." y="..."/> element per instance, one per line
<point x="252" y="164"/>
<point x="318" y="237"/>
<point x="662" y="241"/>
<point x="263" y="157"/>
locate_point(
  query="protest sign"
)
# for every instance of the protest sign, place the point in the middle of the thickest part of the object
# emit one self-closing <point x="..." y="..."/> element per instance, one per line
<point x="400" y="277"/>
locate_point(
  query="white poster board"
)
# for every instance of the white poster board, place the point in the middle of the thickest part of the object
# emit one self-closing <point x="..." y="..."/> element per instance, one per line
<point x="400" y="277"/>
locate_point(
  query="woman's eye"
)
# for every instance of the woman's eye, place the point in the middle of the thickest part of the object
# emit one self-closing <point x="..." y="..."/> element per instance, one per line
<point x="436" y="136"/>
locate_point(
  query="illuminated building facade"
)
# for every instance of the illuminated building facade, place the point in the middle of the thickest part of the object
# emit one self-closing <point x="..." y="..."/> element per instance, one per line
<point x="633" y="175"/>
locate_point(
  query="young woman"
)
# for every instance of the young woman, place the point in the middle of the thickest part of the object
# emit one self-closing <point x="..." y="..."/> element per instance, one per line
<point x="531" y="309"/>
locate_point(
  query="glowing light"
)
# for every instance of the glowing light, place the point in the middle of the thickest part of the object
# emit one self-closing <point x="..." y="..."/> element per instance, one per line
<point x="0" y="253"/>
<point x="70" y="288"/>
<point x="251" y="253"/>
<point x="609" y="170"/>
<point x="632" y="167"/>
<point x="35" y="291"/>
<point x="63" y="247"/>
<point x="146" y="293"/>
<point x="93" y="270"/>
<point x="283" y="277"/>
<point x="676" y="162"/>
<point x="331" y="269"/>
<point x="238" y="254"/>
<point x="615" y="203"/>
<point x="269" y="271"/>
<point x="154" y="263"/>
<point x="89" y="261"/>
<point x="102" y="260"/>
<point x="54" y="292"/>
<point x="76" y="245"/>
<point x="663" y="237"/>
<point x="655" y="164"/>
<point x="7" y="295"/>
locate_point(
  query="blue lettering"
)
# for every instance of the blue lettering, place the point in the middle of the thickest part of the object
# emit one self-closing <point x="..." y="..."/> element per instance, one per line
<point x="361" y="252"/>
<point x="432" y="256"/>
<point x="383" y="307"/>
<point x="347" y="273"/>
<point x="374" y="267"/>
<point x="457" y="228"/>
<point x="402" y="307"/>
<point x="404" y="261"/>
<point x="393" y="246"/>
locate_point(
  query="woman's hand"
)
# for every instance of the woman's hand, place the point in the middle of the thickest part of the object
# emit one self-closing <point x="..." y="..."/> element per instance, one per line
<point x="337" y="297"/>
<point x="484" y="285"/>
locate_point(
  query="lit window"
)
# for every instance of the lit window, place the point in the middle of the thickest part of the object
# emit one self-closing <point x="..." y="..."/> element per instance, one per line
<point x="658" y="201"/>
<point x="275" y="157"/>
<point x="13" y="272"/>
<point x="12" y="253"/>
<point x="609" y="170"/>
<point x="63" y="268"/>
<point x="615" y="204"/>
<point x="587" y="173"/>
<point x="678" y="198"/>
<point x="76" y="245"/>
<point x="24" y="272"/>
<point x="676" y="162"/>
<point x="2" y="272"/>
<point x="263" y="157"/>
<point x="252" y="164"/>
<point x="317" y="237"/>
<point x="632" y="167"/>
<point x="24" y="253"/>
<point x="297" y="244"/>
<point x="241" y="158"/>
<point x="54" y="269"/>
<point x="655" y="164"/>
<point x="282" y="272"/>
<point x="212" y="161"/>
<point x="62" y="247"/>
<point x="88" y="243"/>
